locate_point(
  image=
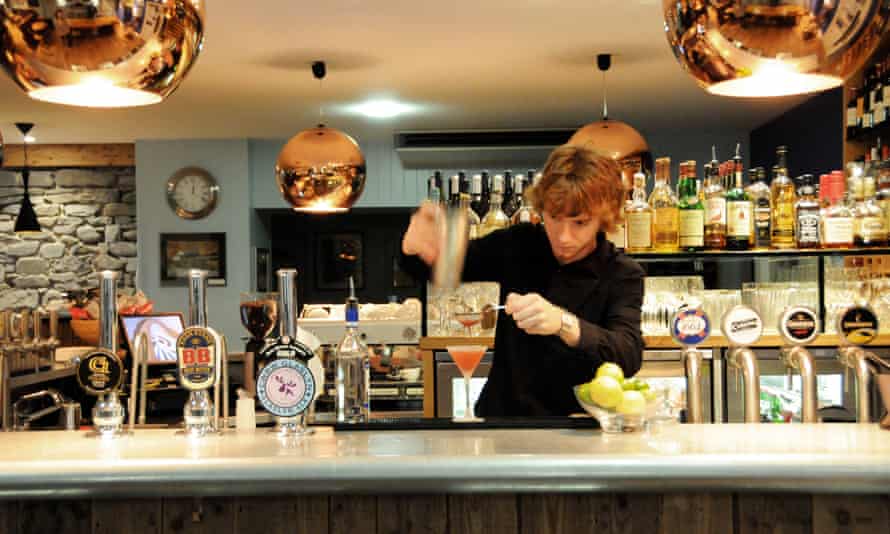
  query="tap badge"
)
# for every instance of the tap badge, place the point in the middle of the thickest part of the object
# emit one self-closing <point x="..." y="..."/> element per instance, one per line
<point x="285" y="387"/>
<point x="742" y="326"/>
<point x="799" y="325"/>
<point x="100" y="372"/>
<point x="690" y="326"/>
<point x="858" y="325"/>
<point x="196" y="355"/>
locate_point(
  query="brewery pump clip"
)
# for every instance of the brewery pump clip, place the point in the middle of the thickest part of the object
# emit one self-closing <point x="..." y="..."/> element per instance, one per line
<point x="285" y="385"/>
<point x="690" y="328"/>
<point x="201" y="357"/>
<point x="101" y="371"/>
<point x="742" y="327"/>
<point x="798" y="327"/>
<point x="857" y="326"/>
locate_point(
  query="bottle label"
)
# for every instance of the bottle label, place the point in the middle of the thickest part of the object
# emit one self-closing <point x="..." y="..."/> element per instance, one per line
<point x="808" y="228"/>
<point x="639" y="230"/>
<point x="886" y="91"/>
<point x="665" y="227"/>
<point x="692" y="228"/>
<point x="738" y="218"/>
<point x="762" y="226"/>
<point x="872" y="230"/>
<point x="618" y="237"/>
<point x="851" y="116"/>
<point x="838" y="231"/>
<point x="715" y="210"/>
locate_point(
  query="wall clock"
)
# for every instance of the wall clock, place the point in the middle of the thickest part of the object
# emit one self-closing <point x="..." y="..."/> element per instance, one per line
<point x="192" y="193"/>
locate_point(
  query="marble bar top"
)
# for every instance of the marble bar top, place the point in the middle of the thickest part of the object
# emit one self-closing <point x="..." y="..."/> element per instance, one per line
<point x="835" y="458"/>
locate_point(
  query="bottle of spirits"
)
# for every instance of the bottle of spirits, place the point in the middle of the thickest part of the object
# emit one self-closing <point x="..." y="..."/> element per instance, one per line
<point x="665" y="211"/>
<point x="715" y="207"/>
<point x="486" y="193"/>
<point x="507" y="193"/>
<point x="454" y="190"/>
<point x="807" y="214"/>
<point x="783" y="198"/>
<point x="516" y="200"/>
<point x="883" y="182"/>
<point x="759" y="194"/>
<point x="464" y="182"/>
<point x="495" y="218"/>
<point x="837" y="219"/>
<point x="868" y="220"/>
<point x="434" y="188"/>
<point x="353" y="371"/>
<point x="473" y="220"/>
<point x="852" y="129"/>
<point x="638" y="217"/>
<point x="739" y="211"/>
<point x="525" y="213"/>
<point x="476" y="203"/>
<point x="692" y="213"/>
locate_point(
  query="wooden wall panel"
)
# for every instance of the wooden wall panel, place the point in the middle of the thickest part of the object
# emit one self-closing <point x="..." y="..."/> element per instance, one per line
<point x="44" y="517"/>
<point x="54" y="156"/>
<point x="127" y="517"/>
<point x="8" y="517"/>
<point x="419" y="514"/>
<point x="846" y="514"/>
<point x="282" y="515"/>
<point x="353" y="514"/>
<point x="481" y="514"/>
<point x="566" y="514"/>
<point x="199" y="516"/>
<point x="697" y="513"/>
<point x="775" y="514"/>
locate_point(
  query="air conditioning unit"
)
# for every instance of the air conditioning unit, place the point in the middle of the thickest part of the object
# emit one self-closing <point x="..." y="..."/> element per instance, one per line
<point x="478" y="148"/>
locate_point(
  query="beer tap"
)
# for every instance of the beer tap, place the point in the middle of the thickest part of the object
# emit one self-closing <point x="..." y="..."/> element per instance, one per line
<point x="101" y="372"/>
<point x="799" y="326"/>
<point x="690" y="327"/>
<point x="53" y="342"/>
<point x="29" y="346"/>
<point x="742" y="327"/>
<point x="285" y="386"/>
<point x="138" y="376"/>
<point x="857" y="326"/>
<point x="202" y="359"/>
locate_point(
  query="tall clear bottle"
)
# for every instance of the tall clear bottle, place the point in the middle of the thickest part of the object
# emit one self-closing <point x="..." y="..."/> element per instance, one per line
<point x="837" y="219"/>
<point x="473" y="220"/>
<point x="434" y="188"/>
<point x="638" y="217"/>
<point x="783" y="198"/>
<point x="495" y="218"/>
<point x="352" y="381"/>
<point x="715" y="206"/>
<point x="665" y="213"/>
<point x="869" y="228"/>
<point x="454" y="190"/>
<point x="739" y="210"/>
<point x="759" y="194"/>
<point x="692" y="212"/>
<point x="476" y="203"/>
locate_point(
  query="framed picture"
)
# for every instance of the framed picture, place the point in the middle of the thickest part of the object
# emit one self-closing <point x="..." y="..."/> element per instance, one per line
<point x="161" y="329"/>
<point x="263" y="265"/>
<point x="337" y="257"/>
<point x="181" y="253"/>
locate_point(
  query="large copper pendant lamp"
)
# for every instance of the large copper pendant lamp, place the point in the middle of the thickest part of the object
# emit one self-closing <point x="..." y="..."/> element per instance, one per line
<point x="763" y="48"/>
<point x="113" y="53"/>
<point x="26" y="221"/>
<point x="617" y="139"/>
<point x="320" y="170"/>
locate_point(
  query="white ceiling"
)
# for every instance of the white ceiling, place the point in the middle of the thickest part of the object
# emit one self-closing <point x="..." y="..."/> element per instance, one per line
<point x="471" y="63"/>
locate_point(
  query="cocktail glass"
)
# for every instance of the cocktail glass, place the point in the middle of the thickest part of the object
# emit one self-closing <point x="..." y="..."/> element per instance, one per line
<point x="467" y="358"/>
<point x="468" y="320"/>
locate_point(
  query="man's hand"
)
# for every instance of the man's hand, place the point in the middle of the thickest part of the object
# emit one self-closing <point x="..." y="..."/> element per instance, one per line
<point x="534" y="314"/>
<point x="422" y="236"/>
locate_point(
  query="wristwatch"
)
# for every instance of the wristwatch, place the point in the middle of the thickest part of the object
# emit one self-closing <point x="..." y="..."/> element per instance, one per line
<point x="569" y="321"/>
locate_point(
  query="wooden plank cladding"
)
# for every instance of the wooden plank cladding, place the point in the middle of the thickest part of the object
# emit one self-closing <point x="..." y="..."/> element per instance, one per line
<point x="68" y="156"/>
<point x="603" y="513"/>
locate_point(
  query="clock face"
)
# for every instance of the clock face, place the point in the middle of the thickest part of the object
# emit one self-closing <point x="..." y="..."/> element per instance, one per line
<point x="192" y="193"/>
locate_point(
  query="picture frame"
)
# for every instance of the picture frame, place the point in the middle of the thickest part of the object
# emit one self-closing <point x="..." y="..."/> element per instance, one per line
<point x="182" y="252"/>
<point x="162" y="329"/>
<point x="263" y="269"/>
<point x="337" y="257"/>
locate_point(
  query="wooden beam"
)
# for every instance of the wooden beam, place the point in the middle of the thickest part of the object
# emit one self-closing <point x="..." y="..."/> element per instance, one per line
<point x="54" y="156"/>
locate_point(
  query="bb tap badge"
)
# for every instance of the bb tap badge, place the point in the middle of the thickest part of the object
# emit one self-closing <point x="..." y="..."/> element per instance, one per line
<point x="100" y="372"/>
<point x="196" y="355"/>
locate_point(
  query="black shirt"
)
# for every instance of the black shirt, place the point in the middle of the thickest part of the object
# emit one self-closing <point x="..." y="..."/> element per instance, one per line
<point x="532" y="374"/>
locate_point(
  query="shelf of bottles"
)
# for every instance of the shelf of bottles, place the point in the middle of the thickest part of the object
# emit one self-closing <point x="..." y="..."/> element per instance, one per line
<point x="868" y="103"/>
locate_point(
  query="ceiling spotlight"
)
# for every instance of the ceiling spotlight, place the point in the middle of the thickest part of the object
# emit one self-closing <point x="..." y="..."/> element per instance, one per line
<point x="381" y="109"/>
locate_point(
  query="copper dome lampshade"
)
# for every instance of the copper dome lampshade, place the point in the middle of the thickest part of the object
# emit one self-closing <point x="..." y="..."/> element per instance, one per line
<point x="113" y="53"/>
<point x="320" y="170"/>
<point x="764" y="48"/>
<point x="616" y="139"/>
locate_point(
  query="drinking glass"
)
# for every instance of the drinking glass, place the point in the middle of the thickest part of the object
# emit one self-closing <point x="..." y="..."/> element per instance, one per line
<point x="259" y="315"/>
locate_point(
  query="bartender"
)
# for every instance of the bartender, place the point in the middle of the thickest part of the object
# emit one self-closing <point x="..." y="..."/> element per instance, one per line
<point x="572" y="299"/>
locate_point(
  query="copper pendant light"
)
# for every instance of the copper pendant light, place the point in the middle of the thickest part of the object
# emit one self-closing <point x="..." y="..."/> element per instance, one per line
<point x="617" y="139"/>
<point x="26" y="220"/>
<point x="113" y="53"/>
<point x="763" y="48"/>
<point x="320" y="170"/>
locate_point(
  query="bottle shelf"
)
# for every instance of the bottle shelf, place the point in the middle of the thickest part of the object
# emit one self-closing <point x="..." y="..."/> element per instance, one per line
<point x="742" y="254"/>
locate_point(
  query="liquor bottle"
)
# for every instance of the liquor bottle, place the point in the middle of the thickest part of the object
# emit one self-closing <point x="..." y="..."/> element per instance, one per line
<point x="525" y="213"/>
<point x="759" y="194"/>
<point x="739" y="211"/>
<point x="507" y="193"/>
<point x="879" y="112"/>
<point x="454" y="190"/>
<point x="495" y="218"/>
<point x="618" y="236"/>
<point x="638" y="218"/>
<point x="692" y="213"/>
<point x="807" y="214"/>
<point x="434" y="188"/>
<point x="868" y="220"/>
<point x="476" y="202"/>
<point x="715" y="207"/>
<point x="486" y="192"/>
<point x="353" y="375"/>
<point x="782" y="197"/>
<point x="883" y="194"/>
<point x="464" y="182"/>
<point x="473" y="220"/>
<point x="515" y="201"/>
<point x="852" y="129"/>
<point x="666" y="217"/>
<point x="837" y="220"/>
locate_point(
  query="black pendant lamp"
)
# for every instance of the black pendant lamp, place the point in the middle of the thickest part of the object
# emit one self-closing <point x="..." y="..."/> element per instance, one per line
<point x="26" y="222"/>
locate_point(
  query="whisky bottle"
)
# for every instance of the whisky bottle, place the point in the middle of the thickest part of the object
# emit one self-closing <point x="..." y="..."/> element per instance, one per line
<point x="837" y="220"/>
<point x="759" y="194"/>
<point x="868" y="220"/>
<point x="454" y="190"/>
<point x="473" y="220"/>
<point x="739" y="211"/>
<point x="638" y="218"/>
<point x="692" y="213"/>
<point x="665" y="211"/>
<point x="715" y="207"/>
<point x="807" y="214"/>
<point x="782" y="197"/>
<point x="434" y="188"/>
<point x="476" y="203"/>
<point x="495" y="218"/>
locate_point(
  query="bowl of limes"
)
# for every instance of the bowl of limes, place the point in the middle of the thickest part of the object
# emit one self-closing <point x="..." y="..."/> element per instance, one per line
<point x="619" y="404"/>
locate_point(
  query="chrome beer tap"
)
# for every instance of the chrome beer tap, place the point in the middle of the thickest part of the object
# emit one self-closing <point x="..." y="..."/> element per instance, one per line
<point x="799" y="326"/>
<point x="857" y="326"/>
<point x="101" y="372"/>
<point x="742" y="327"/>
<point x="285" y="386"/>
<point x="690" y="327"/>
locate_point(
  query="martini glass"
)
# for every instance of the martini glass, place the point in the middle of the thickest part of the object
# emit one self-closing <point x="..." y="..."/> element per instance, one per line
<point x="468" y="320"/>
<point x="467" y="358"/>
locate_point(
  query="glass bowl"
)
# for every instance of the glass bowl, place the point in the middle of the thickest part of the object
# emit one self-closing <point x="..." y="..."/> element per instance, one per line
<point x="613" y="422"/>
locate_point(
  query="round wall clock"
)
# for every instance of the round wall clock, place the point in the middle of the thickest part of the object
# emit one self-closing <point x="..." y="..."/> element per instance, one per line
<point x="192" y="193"/>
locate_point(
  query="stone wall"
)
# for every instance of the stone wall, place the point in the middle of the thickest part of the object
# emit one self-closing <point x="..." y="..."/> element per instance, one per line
<point x="88" y="217"/>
